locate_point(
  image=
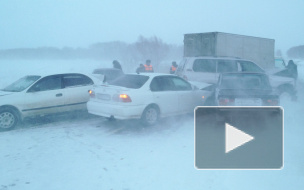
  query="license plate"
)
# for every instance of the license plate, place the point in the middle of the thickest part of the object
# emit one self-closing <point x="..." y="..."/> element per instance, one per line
<point x="104" y="97"/>
<point x="248" y="102"/>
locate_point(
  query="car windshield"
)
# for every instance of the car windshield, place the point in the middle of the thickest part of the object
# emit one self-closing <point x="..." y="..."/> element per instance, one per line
<point x="279" y="63"/>
<point x="130" y="81"/>
<point x="244" y="82"/>
<point x="21" y="84"/>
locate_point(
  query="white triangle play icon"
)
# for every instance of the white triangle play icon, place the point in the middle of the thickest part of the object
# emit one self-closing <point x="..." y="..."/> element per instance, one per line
<point x="235" y="137"/>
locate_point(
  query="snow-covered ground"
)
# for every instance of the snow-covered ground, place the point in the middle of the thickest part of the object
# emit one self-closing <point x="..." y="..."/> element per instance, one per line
<point x="87" y="152"/>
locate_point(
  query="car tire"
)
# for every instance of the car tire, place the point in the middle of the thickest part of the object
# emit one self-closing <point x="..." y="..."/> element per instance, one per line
<point x="8" y="119"/>
<point x="150" y="115"/>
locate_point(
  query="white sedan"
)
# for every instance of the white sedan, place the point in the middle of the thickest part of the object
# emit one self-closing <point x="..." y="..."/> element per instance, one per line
<point x="145" y="96"/>
<point x="35" y="95"/>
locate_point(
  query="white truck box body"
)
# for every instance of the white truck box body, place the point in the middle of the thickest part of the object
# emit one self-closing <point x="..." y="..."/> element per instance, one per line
<point x="218" y="44"/>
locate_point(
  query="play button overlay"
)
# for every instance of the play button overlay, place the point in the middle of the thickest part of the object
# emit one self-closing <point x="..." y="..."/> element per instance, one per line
<point x="239" y="137"/>
<point x="235" y="138"/>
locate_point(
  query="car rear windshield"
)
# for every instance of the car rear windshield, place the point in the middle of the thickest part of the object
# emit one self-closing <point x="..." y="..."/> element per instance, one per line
<point x="130" y="81"/>
<point x="21" y="84"/>
<point x="244" y="82"/>
<point x="110" y="74"/>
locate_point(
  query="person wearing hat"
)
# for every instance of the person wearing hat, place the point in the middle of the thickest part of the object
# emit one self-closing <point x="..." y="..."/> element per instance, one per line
<point x="116" y="65"/>
<point x="148" y="66"/>
<point x="292" y="70"/>
<point x="141" y="68"/>
<point x="173" y="67"/>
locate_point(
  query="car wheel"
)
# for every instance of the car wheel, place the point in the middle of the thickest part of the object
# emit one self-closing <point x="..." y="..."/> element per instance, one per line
<point x="8" y="119"/>
<point x="150" y="115"/>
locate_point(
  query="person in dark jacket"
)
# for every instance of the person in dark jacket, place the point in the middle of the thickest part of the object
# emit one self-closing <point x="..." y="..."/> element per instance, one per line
<point x="292" y="69"/>
<point x="141" y="69"/>
<point x="116" y="65"/>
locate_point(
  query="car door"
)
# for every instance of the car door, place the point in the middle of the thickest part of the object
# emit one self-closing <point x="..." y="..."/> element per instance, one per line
<point x="164" y="95"/>
<point x="203" y="70"/>
<point x="184" y="91"/>
<point x="76" y="91"/>
<point x="45" y="96"/>
<point x="224" y="66"/>
<point x="247" y="66"/>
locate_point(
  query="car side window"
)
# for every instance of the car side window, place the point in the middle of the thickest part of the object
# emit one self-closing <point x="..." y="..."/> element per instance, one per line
<point x="247" y="66"/>
<point x="226" y="66"/>
<point x="162" y="84"/>
<point x="204" y="65"/>
<point x="180" y="84"/>
<point x="71" y="80"/>
<point x="47" y="83"/>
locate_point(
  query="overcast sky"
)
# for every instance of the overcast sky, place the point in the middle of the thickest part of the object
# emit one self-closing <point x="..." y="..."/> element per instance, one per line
<point x="80" y="23"/>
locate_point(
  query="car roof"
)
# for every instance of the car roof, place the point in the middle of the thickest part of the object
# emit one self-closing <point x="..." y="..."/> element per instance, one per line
<point x="243" y="73"/>
<point x="44" y="74"/>
<point x="151" y="74"/>
<point x="218" y="58"/>
<point x="107" y="69"/>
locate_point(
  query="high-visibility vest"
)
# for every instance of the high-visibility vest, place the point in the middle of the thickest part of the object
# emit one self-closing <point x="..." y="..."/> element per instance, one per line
<point x="148" y="67"/>
<point x="173" y="68"/>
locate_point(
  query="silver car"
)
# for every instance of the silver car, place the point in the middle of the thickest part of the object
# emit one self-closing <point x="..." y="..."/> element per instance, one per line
<point x="36" y="95"/>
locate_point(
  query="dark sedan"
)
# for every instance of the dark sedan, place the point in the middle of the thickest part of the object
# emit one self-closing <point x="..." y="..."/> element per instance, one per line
<point x="245" y="89"/>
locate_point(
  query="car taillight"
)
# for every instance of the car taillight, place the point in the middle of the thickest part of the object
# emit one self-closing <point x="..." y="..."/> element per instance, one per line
<point x="226" y="101"/>
<point x="92" y="93"/>
<point x="125" y="98"/>
<point x="121" y="98"/>
<point x="271" y="102"/>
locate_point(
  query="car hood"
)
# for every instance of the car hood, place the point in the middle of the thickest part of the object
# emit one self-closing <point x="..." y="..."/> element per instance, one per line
<point x="4" y="93"/>
<point x="200" y="85"/>
<point x="276" y="81"/>
<point x="274" y="70"/>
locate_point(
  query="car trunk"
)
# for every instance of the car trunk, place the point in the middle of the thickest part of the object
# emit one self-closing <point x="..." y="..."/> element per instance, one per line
<point x="252" y="97"/>
<point x="108" y="94"/>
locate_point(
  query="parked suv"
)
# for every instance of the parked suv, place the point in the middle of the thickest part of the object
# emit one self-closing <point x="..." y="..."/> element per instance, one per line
<point x="208" y="69"/>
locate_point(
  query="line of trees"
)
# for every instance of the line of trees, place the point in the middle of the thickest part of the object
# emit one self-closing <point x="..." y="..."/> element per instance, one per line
<point x="144" y="48"/>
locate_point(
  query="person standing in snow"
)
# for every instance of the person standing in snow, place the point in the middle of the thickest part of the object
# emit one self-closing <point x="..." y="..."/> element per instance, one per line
<point x="148" y="66"/>
<point x="141" y="69"/>
<point x="116" y="65"/>
<point x="173" y="67"/>
<point x="292" y="69"/>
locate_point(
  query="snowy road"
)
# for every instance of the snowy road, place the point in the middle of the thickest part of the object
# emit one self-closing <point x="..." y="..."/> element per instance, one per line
<point x="88" y="152"/>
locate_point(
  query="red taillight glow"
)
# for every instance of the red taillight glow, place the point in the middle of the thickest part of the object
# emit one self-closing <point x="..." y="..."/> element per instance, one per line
<point x="122" y="98"/>
<point x="225" y="101"/>
<point x="125" y="98"/>
<point x="92" y="94"/>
